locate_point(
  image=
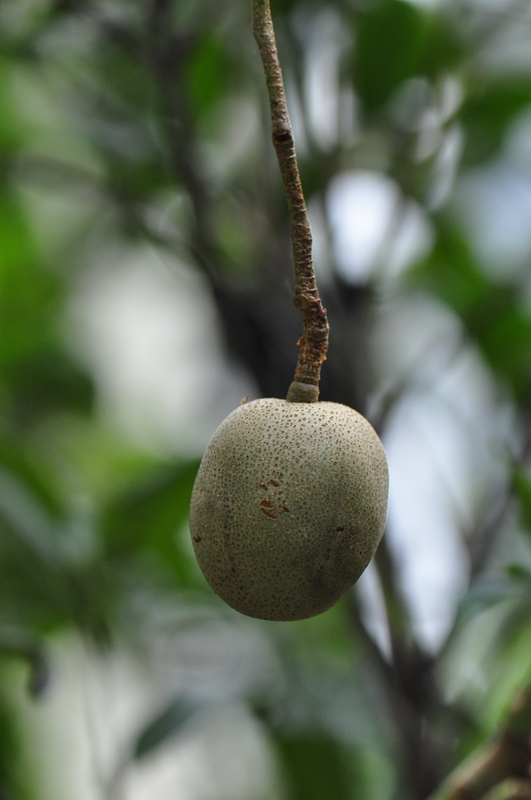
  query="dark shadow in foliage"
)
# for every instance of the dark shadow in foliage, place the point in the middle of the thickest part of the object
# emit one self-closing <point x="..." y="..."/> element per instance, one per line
<point x="18" y="643"/>
<point x="166" y="724"/>
<point x="443" y="47"/>
<point x="493" y="313"/>
<point x="522" y="489"/>
<point x="149" y="515"/>
<point x="393" y="27"/>
<point x="16" y="461"/>
<point x="48" y="382"/>
<point x="315" y="767"/>
<point x="486" y="115"/>
<point x="9" y="751"/>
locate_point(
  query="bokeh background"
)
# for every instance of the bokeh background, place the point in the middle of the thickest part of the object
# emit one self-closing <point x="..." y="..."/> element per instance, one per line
<point x="145" y="288"/>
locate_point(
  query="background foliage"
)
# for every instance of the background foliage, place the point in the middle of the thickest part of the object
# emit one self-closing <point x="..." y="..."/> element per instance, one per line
<point x="137" y="133"/>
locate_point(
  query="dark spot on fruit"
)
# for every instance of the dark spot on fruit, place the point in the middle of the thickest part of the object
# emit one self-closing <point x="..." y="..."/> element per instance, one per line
<point x="339" y="530"/>
<point x="263" y="486"/>
<point x="274" y="483"/>
<point x="266" y="504"/>
<point x="285" y="508"/>
<point x="197" y="538"/>
<point x="268" y="513"/>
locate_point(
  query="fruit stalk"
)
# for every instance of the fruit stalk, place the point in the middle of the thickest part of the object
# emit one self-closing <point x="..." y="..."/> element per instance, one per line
<point x="314" y="340"/>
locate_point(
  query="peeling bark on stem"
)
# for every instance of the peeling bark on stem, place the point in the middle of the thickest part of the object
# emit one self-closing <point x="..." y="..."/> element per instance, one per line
<point x="314" y="341"/>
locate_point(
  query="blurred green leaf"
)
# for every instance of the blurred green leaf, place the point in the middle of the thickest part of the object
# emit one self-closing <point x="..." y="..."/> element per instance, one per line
<point x="115" y="76"/>
<point x="394" y="28"/>
<point x="522" y="487"/>
<point x="487" y="113"/>
<point x="33" y="591"/>
<point x="10" y="788"/>
<point x="165" y="725"/>
<point x="443" y="49"/>
<point x="45" y="383"/>
<point x="16" y="461"/>
<point x="493" y="314"/>
<point x="12" y="133"/>
<point x="23" y="644"/>
<point x="17" y="252"/>
<point x="22" y="513"/>
<point x="315" y="767"/>
<point x="149" y="515"/>
<point x="280" y="7"/>
<point x="29" y="297"/>
<point x="450" y="271"/>
<point x="519" y="572"/>
<point x="507" y="344"/>
<point x="209" y="73"/>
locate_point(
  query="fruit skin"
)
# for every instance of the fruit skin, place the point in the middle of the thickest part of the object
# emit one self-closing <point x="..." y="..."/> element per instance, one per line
<point x="288" y="507"/>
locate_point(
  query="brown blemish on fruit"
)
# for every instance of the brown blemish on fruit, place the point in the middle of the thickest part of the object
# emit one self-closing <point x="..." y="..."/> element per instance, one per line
<point x="263" y="486"/>
<point x="197" y="538"/>
<point x="274" y="483"/>
<point x="266" y="504"/>
<point x="339" y="530"/>
<point x="268" y="513"/>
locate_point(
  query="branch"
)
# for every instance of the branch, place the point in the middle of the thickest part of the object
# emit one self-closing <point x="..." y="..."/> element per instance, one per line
<point x="508" y="756"/>
<point x="511" y="790"/>
<point x="314" y="341"/>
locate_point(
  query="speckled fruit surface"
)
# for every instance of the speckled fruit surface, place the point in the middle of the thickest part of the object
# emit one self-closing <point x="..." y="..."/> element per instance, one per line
<point x="288" y="506"/>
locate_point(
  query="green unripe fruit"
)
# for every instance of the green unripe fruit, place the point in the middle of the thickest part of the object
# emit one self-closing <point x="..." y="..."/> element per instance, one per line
<point x="288" y="506"/>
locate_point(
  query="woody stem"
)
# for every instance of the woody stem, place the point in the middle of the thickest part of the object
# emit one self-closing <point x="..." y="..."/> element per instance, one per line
<point x="314" y="340"/>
